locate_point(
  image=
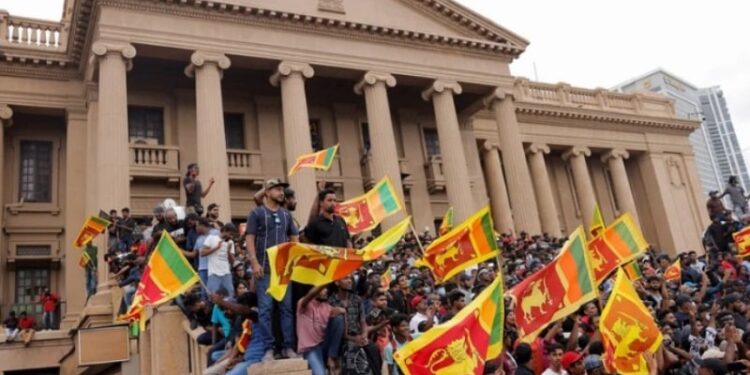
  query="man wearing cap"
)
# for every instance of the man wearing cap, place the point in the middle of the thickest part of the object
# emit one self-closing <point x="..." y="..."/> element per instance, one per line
<point x="269" y="225"/>
<point x="220" y="251"/>
<point x="572" y="362"/>
<point x="425" y="313"/>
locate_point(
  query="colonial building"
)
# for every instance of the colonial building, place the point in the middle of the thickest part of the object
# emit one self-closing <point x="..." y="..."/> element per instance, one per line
<point x="106" y="108"/>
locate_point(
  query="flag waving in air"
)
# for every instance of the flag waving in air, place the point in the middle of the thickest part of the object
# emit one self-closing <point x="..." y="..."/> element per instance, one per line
<point x="93" y="227"/>
<point x="318" y="160"/>
<point x="673" y="272"/>
<point x="447" y="224"/>
<point x="628" y="329"/>
<point x="470" y="243"/>
<point x="166" y="275"/>
<point x="319" y="265"/>
<point x="463" y="344"/>
<point x="555" y="291"/>
<point x="619" y="243"/>
<point x="365" y="212"/>
<point x="742" y="239"/>
<point x="597" y="222"/>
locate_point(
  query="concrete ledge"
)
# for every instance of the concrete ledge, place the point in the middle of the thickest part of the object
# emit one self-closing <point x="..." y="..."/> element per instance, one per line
<point x="296" y="366"/>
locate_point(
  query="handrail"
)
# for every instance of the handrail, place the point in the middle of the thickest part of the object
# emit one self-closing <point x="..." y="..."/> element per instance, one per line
<point x="31" y="33"/>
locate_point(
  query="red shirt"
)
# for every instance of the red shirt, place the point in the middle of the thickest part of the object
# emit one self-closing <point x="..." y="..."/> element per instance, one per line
<point x="49" y="302"/>
<point x="26" y="323"/>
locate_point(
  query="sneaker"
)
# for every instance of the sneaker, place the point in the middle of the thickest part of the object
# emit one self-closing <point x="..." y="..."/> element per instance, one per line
<point x="268" y="356"/>
<point x="289" y="354"/>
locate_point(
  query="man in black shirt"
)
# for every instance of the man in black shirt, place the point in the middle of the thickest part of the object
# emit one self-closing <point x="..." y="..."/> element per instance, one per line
<point x="125" y="228"/>
<point x="194" y="190"/>
<point x="327" y="228"/>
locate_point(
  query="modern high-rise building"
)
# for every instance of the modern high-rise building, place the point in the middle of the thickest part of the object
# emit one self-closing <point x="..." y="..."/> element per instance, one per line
<point x="687" y="105"/>
<point x="717" y="151"/>
<point x="720" y="132"/>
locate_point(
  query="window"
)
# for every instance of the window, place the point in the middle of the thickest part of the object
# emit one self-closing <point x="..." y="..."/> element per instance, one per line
<point x="315" y="136"/>
<point x="365" y="127"/>
<point x="234" y="130"/>
<point x="36" y="171"/>
<point x="30" y="283"/>
<point x="33" y="250"/>
<point x="146" y="123"/>
<point x="431" y="142"/>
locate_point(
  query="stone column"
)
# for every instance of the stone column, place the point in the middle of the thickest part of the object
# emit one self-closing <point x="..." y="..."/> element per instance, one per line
<point x="291" y="77"/>
<point x="383" y="150"/>
<point x="75" y="212"/>
<point x="6" y="118"/>
<point x="615" y="160"/>
<point x="543" y="188"/>
<point x="514" y="161"/>
<point x="499" y="202"/>
<point x="112" y="142"/>
<point x="455" y="167"/>
<point x="113" y="152"/>
<point x="576" y="156"/>
<point x="211" y="150"/>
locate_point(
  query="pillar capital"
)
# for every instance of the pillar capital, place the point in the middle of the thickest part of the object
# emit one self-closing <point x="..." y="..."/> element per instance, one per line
<point x="440" y="86"/>
<point x="6" y="116"/>
<point x="576" y="151"/>
<point x="125" y="51"/>
<point x="371" y="78"/>
<point x="288" y="68"/>
<point x="200" y="59"/>
<point x="615" y="153"/>
<point x="536" y="148"/>
<point x="498" y="94"/>
<point x="488" y="146"/>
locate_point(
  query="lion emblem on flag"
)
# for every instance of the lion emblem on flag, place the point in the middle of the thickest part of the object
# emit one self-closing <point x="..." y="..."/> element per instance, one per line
<point x="459" y="357"/>
<point x="536" y="297"/>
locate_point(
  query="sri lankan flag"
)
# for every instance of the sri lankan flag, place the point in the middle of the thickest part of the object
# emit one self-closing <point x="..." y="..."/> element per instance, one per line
<point x="468" y="244"/>
<point x="365" y="212"/>
<point x="463" y="344"/>
<point x="597" y="222"/>
<point x="93" y="227"/>
<point x="742" y="239"/>
<point x="320" y="265"/>
<point x="447" y="224"/>
<point x="619" y="243"/>
<point x="318" y="160"/>
<point x="555" y="291"/>
<point x="386" y="278"/>
<point x="673" y="272"/>
<point x="84" y="260"/>
<point x="244" y="340"/>
<point x="628" y="330"/>
<point x="166" y="275"/>
<point x="633" y="271"/>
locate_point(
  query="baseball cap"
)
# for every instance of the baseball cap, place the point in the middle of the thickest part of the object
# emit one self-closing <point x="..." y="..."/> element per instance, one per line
<point x="415" y="301"/>
<point x="592" y="362"/>
<point x="569" y="358"/>
<point x="274" y="182"/>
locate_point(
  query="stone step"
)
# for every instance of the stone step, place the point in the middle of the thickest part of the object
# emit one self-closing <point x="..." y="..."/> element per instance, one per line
<point x="297" y="366"/>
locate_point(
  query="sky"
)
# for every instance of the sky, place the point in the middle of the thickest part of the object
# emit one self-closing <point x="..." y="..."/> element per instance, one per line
<point x="601" y="43"/>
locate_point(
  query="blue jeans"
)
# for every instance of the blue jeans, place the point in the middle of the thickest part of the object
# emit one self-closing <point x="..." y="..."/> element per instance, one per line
<point x="49" y="320"/>
<point x="265" y="305"/>
<point x="203" y="274"/>
<point x="253" y="355"/>
<point x="215" y="282"/>
<point x="90" y="281"/>
<point x="316" y="360"/>
<point x="334" y="336"/>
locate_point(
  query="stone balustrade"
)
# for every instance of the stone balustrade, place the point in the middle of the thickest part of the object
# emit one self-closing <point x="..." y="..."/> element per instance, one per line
<point x="433" y="169"/>
<point x="31" y="33"/>
<point x="244" y="164"/>
<point x="154" y="160"/>
<point x="564" y="95"/>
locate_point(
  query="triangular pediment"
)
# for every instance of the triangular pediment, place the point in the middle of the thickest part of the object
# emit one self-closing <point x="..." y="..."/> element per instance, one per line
<point x="436" y="17"/>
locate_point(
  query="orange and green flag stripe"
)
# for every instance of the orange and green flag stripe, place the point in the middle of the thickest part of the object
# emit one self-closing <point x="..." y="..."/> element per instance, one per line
<point x="383" y="200"/>
<point x="574" y="269"/>
<point x="597" y="222"/>
<point x="633" y="271"/>
<point x="447" y="224"/>
<point x="319" y="160"/>
<point x="625" y="238"/>
<point x="92" y="227"/>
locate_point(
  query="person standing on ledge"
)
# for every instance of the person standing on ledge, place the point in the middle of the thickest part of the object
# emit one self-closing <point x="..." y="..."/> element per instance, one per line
<point x="194" y="190"/>
<point x="738" y="197"/>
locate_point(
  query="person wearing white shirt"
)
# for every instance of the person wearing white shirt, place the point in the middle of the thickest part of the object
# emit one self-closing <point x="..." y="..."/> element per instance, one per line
<point x="424" y="314"/>
<point x="555" y="361"/>
<point x="219" y="251"/>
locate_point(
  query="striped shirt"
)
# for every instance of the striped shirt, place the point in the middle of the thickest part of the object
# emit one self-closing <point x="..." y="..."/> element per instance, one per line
<point x="270" y="229"/>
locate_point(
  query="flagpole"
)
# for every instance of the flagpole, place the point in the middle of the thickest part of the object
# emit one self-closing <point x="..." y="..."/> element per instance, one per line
<point x="416" y="236"/>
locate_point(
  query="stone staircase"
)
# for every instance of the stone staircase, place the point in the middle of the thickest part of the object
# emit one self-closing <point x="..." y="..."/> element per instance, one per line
<point x="296" y="366"/>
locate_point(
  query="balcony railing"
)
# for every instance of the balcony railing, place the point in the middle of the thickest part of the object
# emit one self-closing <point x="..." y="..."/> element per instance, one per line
<point x="433" y="170"/>
<point x="154" y="160"/>
<point x="370" y="180"/>
<point x="244" y="164"/>
<point x="563" y="94"/>
<point x="31" y="33"/>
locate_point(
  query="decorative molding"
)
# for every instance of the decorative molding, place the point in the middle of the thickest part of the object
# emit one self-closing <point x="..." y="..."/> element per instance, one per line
<point x="333" y="6"/>
<point x="200" y="59"/>
<point x="371" y="78"/>
<point x="288" y="68"/>
<point x="439" y="86"/>
<point x="488" y="146"/>
<point x="124" y="50"/>
<point x="550" y="110"/>
<point x="6" y="116"/>
<point x="615" y="153"/>
<point x="498" y="94"/>
<point x="535" y="148"/>
<point x="576" y="151"/>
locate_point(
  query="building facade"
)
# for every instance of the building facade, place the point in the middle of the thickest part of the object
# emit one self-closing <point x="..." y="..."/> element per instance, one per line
<point x="106" y="108"/>
<point x="717" y="151"/>
<point x="687" y="105"/>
